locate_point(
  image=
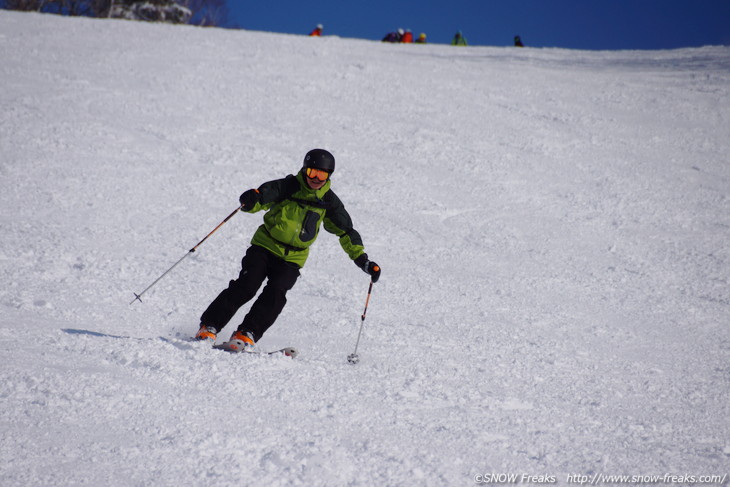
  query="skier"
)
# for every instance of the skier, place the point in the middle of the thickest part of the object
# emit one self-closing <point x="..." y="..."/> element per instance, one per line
<point x="518" y="42"/>
<point x="407" y="37"/>
<point x="295" y="207"/>
<point x="421" y="38"/>
<point x="317" y="32"/>
<point x="394" y="36"/>
<point x="459" y="39"/>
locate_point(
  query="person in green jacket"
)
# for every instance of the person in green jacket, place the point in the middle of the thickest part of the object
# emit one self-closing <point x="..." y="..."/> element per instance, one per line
<point x="459" y="40"/>
<point x="296" y="207"/>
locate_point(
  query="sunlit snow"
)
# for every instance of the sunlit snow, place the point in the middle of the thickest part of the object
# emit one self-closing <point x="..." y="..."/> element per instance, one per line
<point x="553" y="228"/>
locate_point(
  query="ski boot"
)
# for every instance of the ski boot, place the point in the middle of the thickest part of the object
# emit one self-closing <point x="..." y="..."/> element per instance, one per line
<point x="240" y="342"/>
<point x="206" y="333"/>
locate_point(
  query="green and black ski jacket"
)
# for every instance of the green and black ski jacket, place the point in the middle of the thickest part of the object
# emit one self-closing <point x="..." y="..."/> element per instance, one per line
<point x="294" y="214"/>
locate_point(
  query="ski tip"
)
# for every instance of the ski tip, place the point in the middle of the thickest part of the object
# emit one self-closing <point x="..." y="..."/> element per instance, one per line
<point x="290" y="352"/>
<point x="224" y="346"/>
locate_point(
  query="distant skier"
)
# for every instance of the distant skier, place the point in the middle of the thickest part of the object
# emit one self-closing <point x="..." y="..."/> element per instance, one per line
<point x="296" y="206"/>
<point x="407" y="37"/>
<point x="317" y="32"/>
<point x="518" y="42"/>
<point x="394" y="36"/>
<point x="421" y="38"/>
<point x="459" y="40"/>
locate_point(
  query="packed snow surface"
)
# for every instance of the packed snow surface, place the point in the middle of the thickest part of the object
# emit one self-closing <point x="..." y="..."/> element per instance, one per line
<point x="553" y="228"/>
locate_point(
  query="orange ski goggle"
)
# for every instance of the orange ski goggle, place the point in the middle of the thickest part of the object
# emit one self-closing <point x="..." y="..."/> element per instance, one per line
<point x="317" y="174"/>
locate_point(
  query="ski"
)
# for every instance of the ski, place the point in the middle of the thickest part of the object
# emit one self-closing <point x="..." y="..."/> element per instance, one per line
<point x="286" y="351"/>
<point x="183" y="343"/>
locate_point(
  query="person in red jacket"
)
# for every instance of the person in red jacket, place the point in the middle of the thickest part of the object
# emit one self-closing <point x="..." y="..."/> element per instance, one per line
<point x="317" y="32"/>
<point x="407" y="37"/>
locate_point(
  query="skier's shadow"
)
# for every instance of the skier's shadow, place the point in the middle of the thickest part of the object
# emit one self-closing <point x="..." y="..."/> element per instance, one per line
<point x="74" y="331"/>
<point x="183" y="344"/>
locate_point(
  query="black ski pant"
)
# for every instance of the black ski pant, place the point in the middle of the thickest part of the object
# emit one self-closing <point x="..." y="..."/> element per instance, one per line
<point x="257" y="265"/>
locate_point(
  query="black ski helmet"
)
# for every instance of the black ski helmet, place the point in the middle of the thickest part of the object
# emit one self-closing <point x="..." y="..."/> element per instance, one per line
<point x="320" y="159"/>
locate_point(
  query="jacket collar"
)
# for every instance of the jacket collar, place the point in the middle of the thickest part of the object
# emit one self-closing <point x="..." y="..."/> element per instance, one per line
<point x="319" y="193"/>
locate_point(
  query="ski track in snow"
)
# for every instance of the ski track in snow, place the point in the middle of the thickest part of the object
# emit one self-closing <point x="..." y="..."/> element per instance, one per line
<point x="553" y="228"/>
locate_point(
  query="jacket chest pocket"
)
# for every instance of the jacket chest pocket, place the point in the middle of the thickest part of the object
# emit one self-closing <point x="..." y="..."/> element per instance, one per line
<point x="310" y="225"/>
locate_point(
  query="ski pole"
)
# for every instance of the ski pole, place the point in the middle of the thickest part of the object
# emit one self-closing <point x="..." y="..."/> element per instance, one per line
<point x="138" y="296"/>
<point x="354" y="358"/>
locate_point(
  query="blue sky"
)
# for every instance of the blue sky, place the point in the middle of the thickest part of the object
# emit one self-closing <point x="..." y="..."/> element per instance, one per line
<point x="575" y="24"/>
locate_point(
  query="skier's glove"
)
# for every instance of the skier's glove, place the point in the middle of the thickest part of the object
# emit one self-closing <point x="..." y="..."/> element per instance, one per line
<point x="249" y="199"/>
<point x="368" y="266"/>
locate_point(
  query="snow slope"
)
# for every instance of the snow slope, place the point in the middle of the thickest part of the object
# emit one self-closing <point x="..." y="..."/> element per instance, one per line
<point x="552" y="225"/>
